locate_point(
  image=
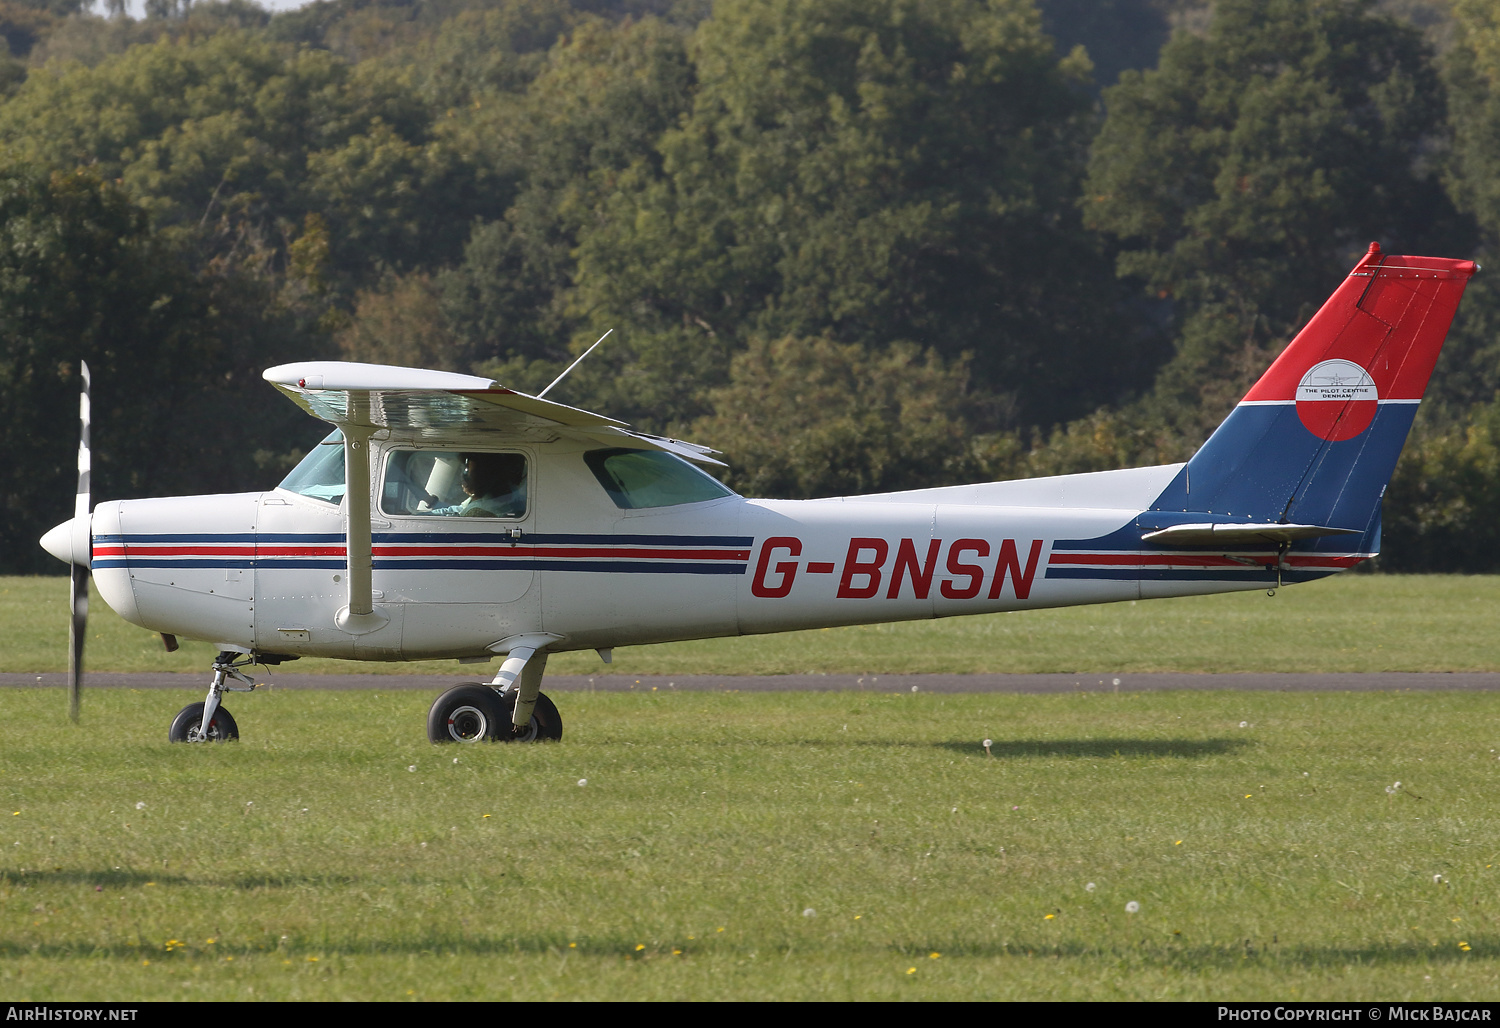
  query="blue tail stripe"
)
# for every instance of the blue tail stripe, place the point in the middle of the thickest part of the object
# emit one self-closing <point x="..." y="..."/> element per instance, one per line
<point x="1262" y="458"/>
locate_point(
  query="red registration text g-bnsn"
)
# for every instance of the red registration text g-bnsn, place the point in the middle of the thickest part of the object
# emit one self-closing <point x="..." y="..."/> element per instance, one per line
<point x="969" y="564"/>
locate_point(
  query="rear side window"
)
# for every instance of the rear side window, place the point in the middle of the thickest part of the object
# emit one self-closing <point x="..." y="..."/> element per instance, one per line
<point x="650" y="478"/>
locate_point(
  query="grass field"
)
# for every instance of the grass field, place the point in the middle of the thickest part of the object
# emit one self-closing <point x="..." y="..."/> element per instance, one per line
<point x="737" y="846"/>
<point x="1348" y="623"/>
<point x="784" y="846"/>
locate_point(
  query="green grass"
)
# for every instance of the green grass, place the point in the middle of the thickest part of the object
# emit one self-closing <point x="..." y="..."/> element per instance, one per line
<point x="335" y="854"/>
<point x="1349" y="623"/>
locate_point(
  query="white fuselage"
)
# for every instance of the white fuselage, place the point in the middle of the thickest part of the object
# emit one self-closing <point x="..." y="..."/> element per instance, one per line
<point x="267" y="571"/>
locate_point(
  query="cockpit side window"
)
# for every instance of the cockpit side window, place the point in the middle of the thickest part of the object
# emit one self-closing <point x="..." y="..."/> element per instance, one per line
<point x="431" y="483"/>
<point x="320" y="475"/>
<point x="651" y="478"/>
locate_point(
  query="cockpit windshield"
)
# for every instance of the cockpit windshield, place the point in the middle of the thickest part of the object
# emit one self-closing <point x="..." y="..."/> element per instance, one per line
<point x="320" y="475"/>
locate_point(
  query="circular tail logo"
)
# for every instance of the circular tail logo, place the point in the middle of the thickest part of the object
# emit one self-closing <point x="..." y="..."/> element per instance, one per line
<point x="1336" y="400"/>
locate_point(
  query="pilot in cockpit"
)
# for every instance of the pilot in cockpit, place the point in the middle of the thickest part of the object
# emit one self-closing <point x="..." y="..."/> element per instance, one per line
<point x="494" y="485"/>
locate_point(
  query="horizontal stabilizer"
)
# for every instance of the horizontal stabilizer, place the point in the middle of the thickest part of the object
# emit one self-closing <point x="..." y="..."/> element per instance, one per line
<point x="1214" y="534"/>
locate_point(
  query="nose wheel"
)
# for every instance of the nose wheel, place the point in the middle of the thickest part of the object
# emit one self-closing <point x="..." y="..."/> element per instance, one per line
<point x="187" y="726"/>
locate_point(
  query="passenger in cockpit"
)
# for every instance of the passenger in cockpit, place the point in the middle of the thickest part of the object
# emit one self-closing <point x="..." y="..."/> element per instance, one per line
<point x="494" y="484"/>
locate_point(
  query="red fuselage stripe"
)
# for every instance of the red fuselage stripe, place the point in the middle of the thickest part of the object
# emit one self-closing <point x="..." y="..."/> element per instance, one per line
<point x="520" y="550"/>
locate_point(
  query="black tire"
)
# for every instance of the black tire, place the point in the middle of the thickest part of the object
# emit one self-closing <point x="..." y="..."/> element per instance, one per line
<point x="471" y="713"/>
<point x="185" y="725"/>
<point x="467" y="713"/>
<point x="546" y="722"/>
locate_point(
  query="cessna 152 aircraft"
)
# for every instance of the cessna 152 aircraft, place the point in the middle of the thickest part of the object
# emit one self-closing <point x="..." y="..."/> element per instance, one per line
<point x="450" y="517"/>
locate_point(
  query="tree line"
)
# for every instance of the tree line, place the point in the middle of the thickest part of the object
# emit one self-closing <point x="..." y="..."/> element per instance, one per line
<point x="857" y="244"/>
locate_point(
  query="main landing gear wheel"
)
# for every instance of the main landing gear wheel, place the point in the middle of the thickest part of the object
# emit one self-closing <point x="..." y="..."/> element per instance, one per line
<point x="471" y="713"/>
<point x="546" y="722"/>
<point x="186" y="726"/>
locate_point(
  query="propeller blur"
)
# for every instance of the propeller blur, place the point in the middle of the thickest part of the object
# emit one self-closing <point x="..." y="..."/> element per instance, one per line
<point x="449" y="517"/>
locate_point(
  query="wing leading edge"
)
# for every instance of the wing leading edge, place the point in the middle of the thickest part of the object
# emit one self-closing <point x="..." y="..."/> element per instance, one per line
<point x="453" y="407"/>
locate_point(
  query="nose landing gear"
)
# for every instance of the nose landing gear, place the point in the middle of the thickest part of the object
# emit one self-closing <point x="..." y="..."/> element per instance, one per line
<point x="207" y="721"/>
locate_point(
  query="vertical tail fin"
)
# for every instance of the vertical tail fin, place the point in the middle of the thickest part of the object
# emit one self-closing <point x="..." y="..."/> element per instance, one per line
<point x="1316" y="439"/>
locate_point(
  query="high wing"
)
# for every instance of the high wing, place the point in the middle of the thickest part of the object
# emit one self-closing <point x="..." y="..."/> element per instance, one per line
<point x="453" y="407"/>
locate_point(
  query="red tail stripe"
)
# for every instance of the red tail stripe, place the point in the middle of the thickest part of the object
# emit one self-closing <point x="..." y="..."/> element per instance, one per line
<point x="1416" y="295"/>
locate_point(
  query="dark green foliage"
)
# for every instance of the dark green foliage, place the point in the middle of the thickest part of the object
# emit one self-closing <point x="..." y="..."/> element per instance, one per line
<point x="1473" y="71"/>
<point x="241" y="138"/>
<point x="89" y="39"/>
<point x="83" y="277"/>
<point x="23" y="23"/>
<point x="1119" y="35"/>
<point x="595" y="112"/>
<point x="872" y="172"/>
<point x="1243" y="177"/>
<point x="400" y="322"/>
<point x="810" y="417"/>
<point x="1246" y="174"/>
<point x="1440" y="508"/>
<point x="971" y="268"/>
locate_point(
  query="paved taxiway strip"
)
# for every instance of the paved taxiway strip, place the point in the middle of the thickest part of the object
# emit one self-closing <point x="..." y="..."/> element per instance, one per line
<point x="1385" y="681"/>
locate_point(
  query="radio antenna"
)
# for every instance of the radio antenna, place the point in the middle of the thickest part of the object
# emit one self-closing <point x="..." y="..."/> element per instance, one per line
<point x="575" y="364"/>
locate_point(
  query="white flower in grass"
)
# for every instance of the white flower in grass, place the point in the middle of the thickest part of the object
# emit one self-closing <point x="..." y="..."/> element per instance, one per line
<point x="1090" y="887"/>
<point x="141" y="805"/>
<point x="1132" y="907"/>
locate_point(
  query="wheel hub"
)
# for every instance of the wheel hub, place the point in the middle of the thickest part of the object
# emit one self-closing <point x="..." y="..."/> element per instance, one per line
<point x="467" y="724"/>
<point x="196" y="734"/>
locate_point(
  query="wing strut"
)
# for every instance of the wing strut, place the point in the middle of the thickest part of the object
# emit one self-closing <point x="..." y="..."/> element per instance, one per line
<point x="360" y="616"/>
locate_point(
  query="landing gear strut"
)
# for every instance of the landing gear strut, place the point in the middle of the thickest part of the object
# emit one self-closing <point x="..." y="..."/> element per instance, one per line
<point x="207" y="721"/>
<point x="474" y="712"/>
